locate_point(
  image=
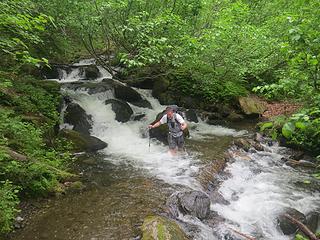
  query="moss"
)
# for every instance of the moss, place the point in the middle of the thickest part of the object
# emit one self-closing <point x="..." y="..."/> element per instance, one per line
<point x="161" y="228"/>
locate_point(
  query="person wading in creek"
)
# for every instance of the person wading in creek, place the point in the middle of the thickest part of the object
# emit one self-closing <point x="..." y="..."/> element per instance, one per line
<point x="176" y="125"/>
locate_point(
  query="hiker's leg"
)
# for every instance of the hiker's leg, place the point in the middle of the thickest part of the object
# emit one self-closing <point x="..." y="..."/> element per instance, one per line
<point x="172" y="145"/>
<point x="180" y="143"/>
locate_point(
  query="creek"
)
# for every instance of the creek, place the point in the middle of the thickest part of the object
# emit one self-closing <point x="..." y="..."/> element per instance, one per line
<point x="129" y="179"/>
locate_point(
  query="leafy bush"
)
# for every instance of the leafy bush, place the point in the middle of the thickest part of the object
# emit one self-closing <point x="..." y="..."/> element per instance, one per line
<point x="301" y="129"/>
<point x="8" y="204"/>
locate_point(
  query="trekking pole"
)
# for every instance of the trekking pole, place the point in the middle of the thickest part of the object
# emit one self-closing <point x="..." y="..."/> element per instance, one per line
<point x="149" y="138"/>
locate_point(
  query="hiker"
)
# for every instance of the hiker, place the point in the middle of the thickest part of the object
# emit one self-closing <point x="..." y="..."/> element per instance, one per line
<point x="176" y="125"/>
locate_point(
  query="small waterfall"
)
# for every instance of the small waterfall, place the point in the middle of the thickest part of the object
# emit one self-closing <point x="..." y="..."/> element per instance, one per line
<point x="257" y="189"/>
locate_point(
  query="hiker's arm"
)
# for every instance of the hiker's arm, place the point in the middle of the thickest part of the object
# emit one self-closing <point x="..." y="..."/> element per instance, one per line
<point x="157" y="124"/>
<point x="184" y="126"/>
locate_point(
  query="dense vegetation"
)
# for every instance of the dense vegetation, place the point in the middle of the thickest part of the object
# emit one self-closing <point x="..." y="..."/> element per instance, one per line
<point x="211" y="50"/>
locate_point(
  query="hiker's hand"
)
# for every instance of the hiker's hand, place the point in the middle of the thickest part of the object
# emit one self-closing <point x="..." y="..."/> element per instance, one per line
<point x="150" y="126"/>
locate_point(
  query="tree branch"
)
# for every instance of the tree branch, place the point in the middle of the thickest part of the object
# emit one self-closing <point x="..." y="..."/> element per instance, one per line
<point x="302" y="227"/>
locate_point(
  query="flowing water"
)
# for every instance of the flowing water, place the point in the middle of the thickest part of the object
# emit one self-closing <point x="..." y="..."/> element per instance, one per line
<point x="129" y="180"/>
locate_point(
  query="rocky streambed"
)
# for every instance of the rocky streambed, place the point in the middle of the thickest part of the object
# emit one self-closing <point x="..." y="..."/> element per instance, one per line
<point x="229" y="184"/>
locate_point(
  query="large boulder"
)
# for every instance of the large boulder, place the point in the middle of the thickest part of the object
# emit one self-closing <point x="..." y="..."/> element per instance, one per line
<point x="52" y="72"/>
<point x="161" y="228"/>
<point x="130" y="95"/>
<point x="193" y="203"/>
<point x="91" y="72"/>
<point x="122" y="109"/>
<point x="252" y="106"/>
<point x="285" y="225"/>
<point x="77" y="116"/>
<point x="82" y="142"/>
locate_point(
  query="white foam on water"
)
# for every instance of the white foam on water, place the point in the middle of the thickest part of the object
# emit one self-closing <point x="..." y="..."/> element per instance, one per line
<point x="257" y="197"/>
<point x="126" y="141"/>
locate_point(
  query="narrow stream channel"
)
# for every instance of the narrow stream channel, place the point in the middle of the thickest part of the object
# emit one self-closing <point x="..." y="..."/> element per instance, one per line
<point x="129" y="180"/>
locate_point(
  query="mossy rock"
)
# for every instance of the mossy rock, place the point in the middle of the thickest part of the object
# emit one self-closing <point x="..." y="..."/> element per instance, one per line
<point x="83" y="142"/>
<point x="161" y="228"/>
<point x="252" y="106"/>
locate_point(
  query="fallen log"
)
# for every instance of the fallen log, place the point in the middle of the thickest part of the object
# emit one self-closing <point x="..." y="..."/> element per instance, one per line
<point x="302" y="227"/>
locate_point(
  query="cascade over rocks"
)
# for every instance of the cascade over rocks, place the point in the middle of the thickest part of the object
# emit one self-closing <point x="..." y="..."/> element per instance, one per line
<point x="91" y="87"/>
<point x="83" y="142"/>
<point x="122" y="109"/>
<point x="195" y="203"/>
<point x="77" y="116"/>
<point x="285" y="225"/>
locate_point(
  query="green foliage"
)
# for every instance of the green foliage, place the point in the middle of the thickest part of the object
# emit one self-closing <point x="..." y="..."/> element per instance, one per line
<point x="8" y="204"/>
<point x="20" y="27"/>
<point x="301" y="129"/>
<point x="27" y="160"/>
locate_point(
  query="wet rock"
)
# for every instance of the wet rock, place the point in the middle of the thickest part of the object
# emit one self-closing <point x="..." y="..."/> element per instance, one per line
<point x="77" y="116"/>
<point x="252" y="106"/>
<point x="138" y="83"/>
<point x="313" y="221"/>
<point x="91" y="72"/>
<point x="138" y="117"/>
<point x="217" y="197"/>
<point x="160" y="133"/>
<point x="297" y="155"/>
<point x="300" y="164"/>
<point x="130" y="95"/>
<point x="235" y="117"/>
<point x="193" y="203"/>
<point x="214" y="116"/>
<point x="122" y="110"/>
<point x="242" y="143"/>
<point x="191" y="116"/>
<point x="82" y="142"/>
<point x="246" y="144"/>
<point x="52" y="72"/>
<point x="285" y="225"/>
<point x="161" y="228"/>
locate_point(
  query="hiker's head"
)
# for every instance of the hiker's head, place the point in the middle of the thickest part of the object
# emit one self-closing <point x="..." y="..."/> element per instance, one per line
<point x="169" y="112"/>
